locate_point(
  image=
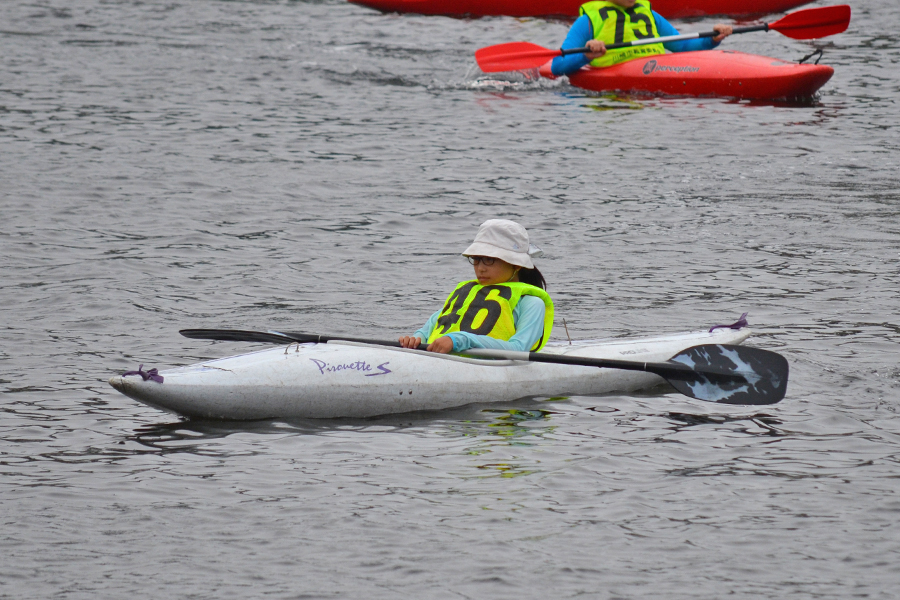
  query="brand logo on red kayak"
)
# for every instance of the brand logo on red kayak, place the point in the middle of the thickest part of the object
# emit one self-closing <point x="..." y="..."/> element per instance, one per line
<point x="359" y="365"/>
<point x="653" y="67"/>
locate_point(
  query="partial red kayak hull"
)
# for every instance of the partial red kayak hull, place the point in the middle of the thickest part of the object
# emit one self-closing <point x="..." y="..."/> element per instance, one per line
<point x="671" y="9"/>
<point x="680" y="9"/>
<point x="720" y="73"/>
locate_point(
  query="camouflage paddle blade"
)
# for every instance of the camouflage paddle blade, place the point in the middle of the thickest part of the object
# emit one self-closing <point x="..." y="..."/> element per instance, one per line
<point x="731" y="374"/>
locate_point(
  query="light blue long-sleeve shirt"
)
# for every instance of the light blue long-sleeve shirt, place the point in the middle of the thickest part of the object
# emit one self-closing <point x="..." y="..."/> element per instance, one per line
<point x="528" y="317"/>
<point x="582" y="31"/>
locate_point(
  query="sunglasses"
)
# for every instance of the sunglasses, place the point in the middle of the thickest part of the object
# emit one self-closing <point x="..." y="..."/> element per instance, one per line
<point x="485" y="260"/>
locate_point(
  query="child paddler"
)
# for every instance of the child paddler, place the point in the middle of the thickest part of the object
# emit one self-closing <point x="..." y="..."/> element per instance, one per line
<point x="505" y="307"/>
<point x="603" y="22"/>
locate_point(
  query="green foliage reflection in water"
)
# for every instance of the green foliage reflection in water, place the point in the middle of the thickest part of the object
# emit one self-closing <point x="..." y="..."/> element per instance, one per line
<point x="507" y="424"/>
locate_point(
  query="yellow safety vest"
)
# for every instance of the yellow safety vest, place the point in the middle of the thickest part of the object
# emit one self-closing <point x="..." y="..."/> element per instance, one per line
<point x="613" y="24"/>
<point x="488" y="310"/>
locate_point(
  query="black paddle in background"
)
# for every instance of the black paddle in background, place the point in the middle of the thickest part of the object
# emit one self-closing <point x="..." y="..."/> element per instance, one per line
<point x="721" y="373"/>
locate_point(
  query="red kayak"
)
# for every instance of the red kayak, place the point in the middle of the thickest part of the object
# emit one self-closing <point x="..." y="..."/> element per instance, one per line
<point x="671" y="9"/>
<point x="720" y="73"/>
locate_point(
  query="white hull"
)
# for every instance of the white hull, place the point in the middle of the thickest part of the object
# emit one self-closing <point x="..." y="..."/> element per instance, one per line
<point x="342" y="379"/>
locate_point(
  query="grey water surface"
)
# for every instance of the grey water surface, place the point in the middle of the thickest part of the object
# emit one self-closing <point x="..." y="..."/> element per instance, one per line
<point x="319" y="166"/>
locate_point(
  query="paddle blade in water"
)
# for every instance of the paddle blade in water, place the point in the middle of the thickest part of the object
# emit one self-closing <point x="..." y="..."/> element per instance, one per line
<point x="514" y="56"/>
<point x="234" y="335"/>
<point x="731" y="374"/>
<point x="814" y="23"/>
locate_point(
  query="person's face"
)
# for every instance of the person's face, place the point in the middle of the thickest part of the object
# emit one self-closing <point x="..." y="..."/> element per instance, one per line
<point x="624" y="3"/>
<point x="499" y="271"/>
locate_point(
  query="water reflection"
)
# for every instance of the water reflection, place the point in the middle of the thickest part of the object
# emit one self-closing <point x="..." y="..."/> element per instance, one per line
<point x="765" y="424"/>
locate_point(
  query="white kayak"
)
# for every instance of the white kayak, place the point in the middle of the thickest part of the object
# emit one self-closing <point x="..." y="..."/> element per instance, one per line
<point x="347" y="379"/>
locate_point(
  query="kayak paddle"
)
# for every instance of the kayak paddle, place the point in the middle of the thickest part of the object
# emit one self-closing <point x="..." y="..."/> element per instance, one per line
<point x="720" y="373"/>
<point x="806" y="24"/>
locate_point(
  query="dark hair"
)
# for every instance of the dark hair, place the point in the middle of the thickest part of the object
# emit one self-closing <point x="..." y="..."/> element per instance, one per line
<point x="532" y="277"/>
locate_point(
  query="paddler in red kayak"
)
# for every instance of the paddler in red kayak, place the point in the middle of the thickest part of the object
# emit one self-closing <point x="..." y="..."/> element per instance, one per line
<point x="604" y="22"/>
<point x="505" y="307"/>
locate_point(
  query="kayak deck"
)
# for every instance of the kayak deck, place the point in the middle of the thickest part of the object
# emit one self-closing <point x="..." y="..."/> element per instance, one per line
<point x="342" y="379"/>
<point x="719" y="73"/>
<point x="671" y="9"/>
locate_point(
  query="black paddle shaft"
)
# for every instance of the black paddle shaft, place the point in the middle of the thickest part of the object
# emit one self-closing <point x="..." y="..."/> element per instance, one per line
<point x="280" y="337"/>
<point x="322" y="339"/>
<point x="662" y="369"/>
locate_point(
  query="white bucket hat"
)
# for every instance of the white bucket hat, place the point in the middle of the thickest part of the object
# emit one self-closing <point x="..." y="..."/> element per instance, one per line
<point x="506" y="240"/>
